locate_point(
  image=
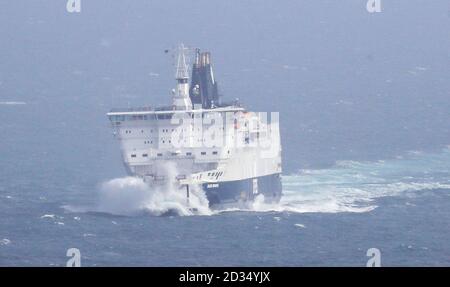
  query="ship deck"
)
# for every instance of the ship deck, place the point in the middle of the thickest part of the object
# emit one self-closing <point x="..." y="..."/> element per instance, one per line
<point x="149" y="111"/>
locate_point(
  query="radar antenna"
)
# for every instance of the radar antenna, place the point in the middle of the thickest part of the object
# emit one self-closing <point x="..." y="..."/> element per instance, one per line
<point x="182" y="68"/>
<point x="181" y="99"/>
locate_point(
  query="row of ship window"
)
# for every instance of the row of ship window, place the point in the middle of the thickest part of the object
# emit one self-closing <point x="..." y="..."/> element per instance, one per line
<point x="151" y="131"/>
<point x="169" y="141"/>
<point x="119" y="118"/>
<point x="163" y="141"/>
<point x="163" y="130"/>
<point x="122" y="118"/>
<point x="175" y="154"/>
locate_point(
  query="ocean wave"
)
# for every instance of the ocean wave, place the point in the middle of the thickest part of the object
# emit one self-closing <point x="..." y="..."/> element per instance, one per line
<point x="132" y="196"/>
<point x="352" y="186"/>
<point x="349" y="186"/>
<point x="12" y="103"/>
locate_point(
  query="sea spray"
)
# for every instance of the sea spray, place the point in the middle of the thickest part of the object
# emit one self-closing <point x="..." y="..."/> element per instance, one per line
<point x="352" y="186"/>
<point x="349" y="186"/>
<point x="131" y="195"/>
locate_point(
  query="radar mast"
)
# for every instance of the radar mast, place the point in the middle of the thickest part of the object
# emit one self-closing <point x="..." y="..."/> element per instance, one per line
<point x="181" y="99"/>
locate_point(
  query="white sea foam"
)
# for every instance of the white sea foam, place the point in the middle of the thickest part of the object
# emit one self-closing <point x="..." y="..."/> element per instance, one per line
<point x="352" y="186"/>
<point x="349" y="186"/>
<point x="12" y="103"/>
<point x="131" y="195"/>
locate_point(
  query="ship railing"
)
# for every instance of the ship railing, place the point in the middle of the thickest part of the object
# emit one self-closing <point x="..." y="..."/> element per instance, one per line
<point x="135" y="109"/>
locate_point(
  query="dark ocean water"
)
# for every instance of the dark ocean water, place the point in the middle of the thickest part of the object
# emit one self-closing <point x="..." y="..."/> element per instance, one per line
<point x="419" y="238"/>
<point x="327" y="217"/>
<point x="364" y="103"/>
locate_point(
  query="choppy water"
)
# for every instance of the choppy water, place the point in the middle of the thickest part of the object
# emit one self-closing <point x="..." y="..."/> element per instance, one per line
<point x="326" y="217"/>
<point x="355" y="92"/>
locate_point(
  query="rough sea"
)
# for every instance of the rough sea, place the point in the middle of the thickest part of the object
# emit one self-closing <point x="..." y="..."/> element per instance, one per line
<point x="327" y="216"/>
<point x="364" y="113"/>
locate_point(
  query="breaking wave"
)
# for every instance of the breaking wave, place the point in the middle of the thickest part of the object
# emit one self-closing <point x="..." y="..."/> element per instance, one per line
<point x="131" y="195"/>
<point x="349" y="186"/>
<point x="12" y="103"/>
<point x="352" y="186"/>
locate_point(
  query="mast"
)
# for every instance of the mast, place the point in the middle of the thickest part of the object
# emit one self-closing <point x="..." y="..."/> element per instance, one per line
<point x="180" y="98"/>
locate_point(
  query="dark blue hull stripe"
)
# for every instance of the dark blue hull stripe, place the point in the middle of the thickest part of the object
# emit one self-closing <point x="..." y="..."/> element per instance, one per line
<point x="245" y="190"/>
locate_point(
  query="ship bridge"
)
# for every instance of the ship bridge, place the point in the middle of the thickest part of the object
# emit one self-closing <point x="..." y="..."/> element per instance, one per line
<point x="198" y="140"/>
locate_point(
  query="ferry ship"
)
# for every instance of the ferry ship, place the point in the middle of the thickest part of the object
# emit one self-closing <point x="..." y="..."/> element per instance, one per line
<point x="199" y="143"/>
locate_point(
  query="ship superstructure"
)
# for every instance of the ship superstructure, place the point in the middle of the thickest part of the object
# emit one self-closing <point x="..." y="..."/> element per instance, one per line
<point x="232" y="154"/>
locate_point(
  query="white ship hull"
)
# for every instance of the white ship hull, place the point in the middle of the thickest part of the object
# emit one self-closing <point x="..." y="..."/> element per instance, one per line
<point x="231" y="154"/>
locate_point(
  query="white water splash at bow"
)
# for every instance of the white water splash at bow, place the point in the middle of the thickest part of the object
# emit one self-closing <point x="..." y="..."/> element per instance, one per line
<point x="349" y="186"/>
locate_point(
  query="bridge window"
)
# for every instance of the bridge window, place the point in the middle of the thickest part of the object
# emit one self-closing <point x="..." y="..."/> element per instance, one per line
<point x="159" y="154"/>
<point x="214" y="153"/>
<point x="188" y="153"/>
<point x="203" y="153"/>
<point x="133" y="155"/>
<point x="145" y="155"/>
